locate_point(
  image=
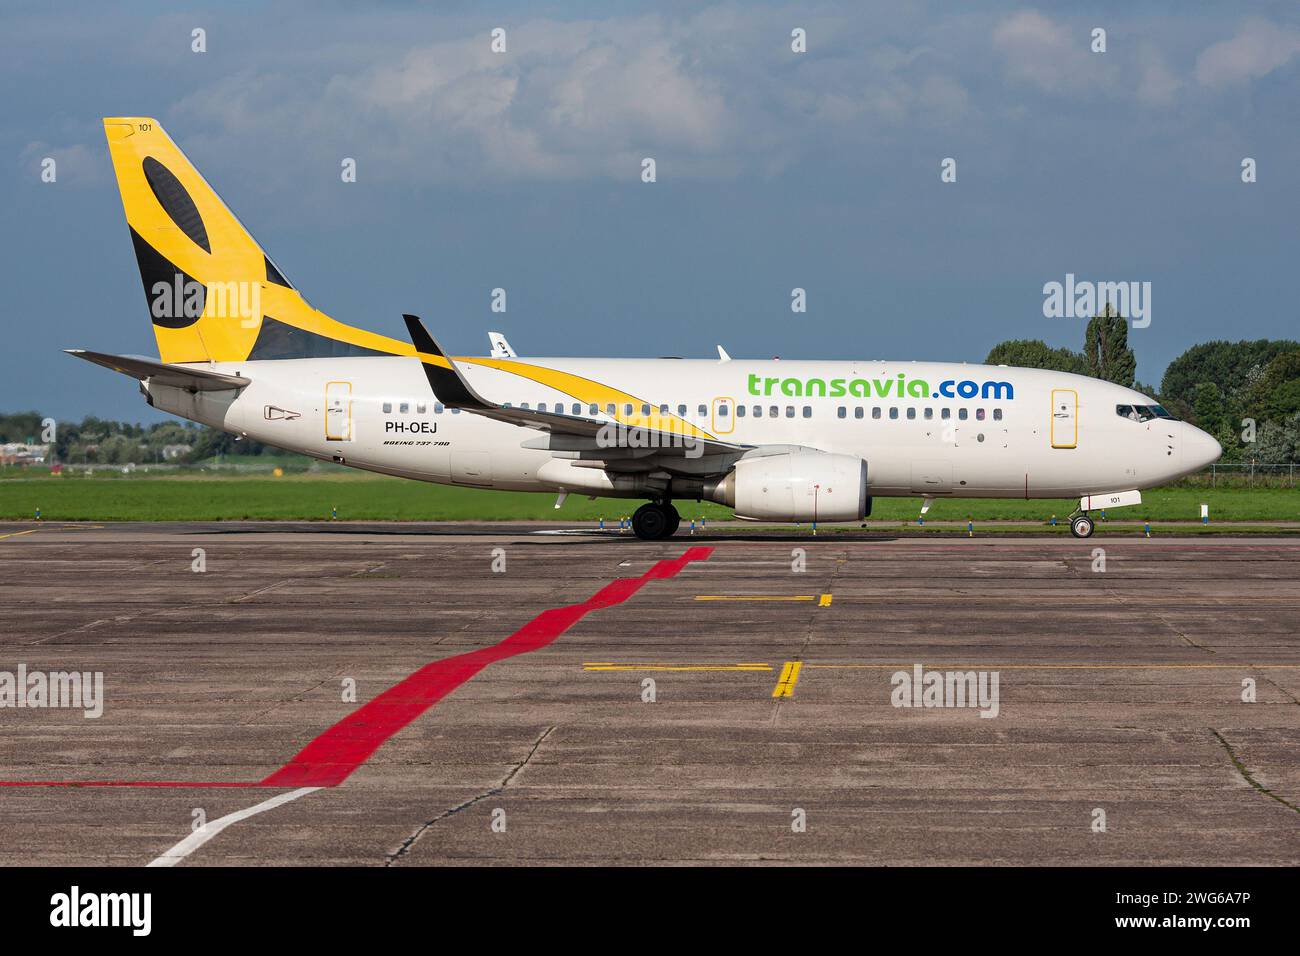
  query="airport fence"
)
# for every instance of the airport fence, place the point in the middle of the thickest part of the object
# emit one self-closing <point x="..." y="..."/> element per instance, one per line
<point x="1245" y="474"/>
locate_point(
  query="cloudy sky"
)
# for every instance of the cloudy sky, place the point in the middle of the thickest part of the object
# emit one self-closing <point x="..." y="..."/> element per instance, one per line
<point x="775" y="169"/>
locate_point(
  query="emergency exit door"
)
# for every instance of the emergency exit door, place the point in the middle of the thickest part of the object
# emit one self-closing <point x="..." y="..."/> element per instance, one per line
<point x="724" y="416"/>
<point x="1065" y="418"/>
<point x="338" y="411"/>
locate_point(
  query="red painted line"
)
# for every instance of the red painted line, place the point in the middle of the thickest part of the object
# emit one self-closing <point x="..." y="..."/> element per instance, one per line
<point x="175" y="784"/>
<point x="332" y="757"/>
<point x="329" y="759"/>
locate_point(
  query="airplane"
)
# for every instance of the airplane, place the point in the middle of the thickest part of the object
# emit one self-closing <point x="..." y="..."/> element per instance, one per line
<point x="240" y="349"/>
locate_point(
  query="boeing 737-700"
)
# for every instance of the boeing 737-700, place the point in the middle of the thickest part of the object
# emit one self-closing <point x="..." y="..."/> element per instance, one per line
<point x="240" y="349"/>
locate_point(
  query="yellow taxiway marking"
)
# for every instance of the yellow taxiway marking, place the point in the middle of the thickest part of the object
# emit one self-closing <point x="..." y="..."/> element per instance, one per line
<point x="18" y="534"/>
<point x="755" y="597"/>
<point x="823" y="600"/>
<point x="1046" y="667"/>
<point x="608" y="666"/>
<point x="789" y="677"/>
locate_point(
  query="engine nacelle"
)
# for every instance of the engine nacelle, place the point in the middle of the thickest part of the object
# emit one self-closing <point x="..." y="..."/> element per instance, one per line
<point x="800" y="485"/>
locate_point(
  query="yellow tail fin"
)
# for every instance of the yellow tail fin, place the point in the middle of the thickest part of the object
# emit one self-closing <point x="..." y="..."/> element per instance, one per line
<point x="213" y="293"/>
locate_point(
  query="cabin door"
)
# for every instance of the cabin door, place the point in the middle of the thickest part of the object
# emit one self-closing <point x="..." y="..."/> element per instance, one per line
<point x="1065" y="418"/>
<point x="338" y="411"/>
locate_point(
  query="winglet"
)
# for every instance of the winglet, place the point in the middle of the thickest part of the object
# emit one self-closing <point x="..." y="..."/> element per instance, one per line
<point x="500" y="347"/>
<point x="448" y="384"/>
<point x="722" y="355"/>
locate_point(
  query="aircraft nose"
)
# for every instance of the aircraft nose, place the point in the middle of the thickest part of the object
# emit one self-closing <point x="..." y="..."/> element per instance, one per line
<point x="1199" y="448"/>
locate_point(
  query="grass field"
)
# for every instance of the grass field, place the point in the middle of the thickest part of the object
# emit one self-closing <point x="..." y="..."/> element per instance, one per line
<point x="370" y="497"/>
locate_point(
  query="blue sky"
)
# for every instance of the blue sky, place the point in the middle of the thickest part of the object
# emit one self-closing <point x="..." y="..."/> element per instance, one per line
<point x="818" y="170"/>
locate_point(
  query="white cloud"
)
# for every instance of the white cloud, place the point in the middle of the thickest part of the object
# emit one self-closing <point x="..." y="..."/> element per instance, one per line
<point x="1258" y="49"/>
<point x="708" y="95"/>
<point x="1046" y="54"/>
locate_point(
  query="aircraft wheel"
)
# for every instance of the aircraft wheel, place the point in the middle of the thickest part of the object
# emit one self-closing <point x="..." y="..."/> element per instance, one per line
<point x="1081" y="527"/>
<point x="650" y="522"/>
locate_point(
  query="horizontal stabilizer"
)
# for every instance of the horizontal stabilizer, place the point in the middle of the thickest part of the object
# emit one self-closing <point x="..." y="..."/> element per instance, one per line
<point x="161" y="373"/>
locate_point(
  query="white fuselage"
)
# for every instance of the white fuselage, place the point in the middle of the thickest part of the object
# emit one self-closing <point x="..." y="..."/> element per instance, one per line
<point x="924" y="428"/>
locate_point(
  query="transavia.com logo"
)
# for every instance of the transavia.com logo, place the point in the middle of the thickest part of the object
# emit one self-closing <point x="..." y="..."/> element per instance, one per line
<point x="886" y="387"/>
<point x="76" y="908"/>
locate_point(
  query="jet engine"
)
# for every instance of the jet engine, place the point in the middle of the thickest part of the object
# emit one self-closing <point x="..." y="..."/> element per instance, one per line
<point x="799" y="485"/>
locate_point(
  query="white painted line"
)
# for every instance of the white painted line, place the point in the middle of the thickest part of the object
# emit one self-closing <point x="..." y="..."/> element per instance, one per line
<point x="201" y="836"/>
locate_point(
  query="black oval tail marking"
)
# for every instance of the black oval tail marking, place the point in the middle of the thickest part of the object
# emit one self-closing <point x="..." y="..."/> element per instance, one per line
<point x="176" y="202"/>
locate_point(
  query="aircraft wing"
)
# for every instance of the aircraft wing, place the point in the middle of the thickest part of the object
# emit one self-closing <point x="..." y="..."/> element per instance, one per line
<point x="162" y="373"/>
<point x="569" y="433"/>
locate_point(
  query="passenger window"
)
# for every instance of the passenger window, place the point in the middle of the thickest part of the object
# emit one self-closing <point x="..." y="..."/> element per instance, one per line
<point x="979" y="414"/>
<point x="455" y="411"/>
<point x="789" y="411"/>
<point x="929" y="414"/>
<point x="875" y="411"/>
<point x="681" y="411"/>
<point x="523" y="405"/>
<point x="758" y="411"/>
<point x="541" y="406"/>
<point x="627" y="409"/>
<point x="611" y="409"/>
<point x="807" y="411"/>
<point x="857" y="412"/>
<point x="945" y="413"/>
<point x="893" y="412"/>
<point x="722" y="410"/>
<point x="663" y="409"/>
<point x="773" y="412"/>
<point x="645" y="410"/>
<point x="740" y="411"/>
<point x="577" y="408"/>
<point x="841" y="412"/>
<point x="593" y="409"/>
<point x="961" y="413"/>
<point x="997" y="414"/>
<point x="404" y="408"/>
<point x="388" y="408"/>
<point x="704" y="411"/>
<point x="911" y="414"/>
<point x="421" y="408"/>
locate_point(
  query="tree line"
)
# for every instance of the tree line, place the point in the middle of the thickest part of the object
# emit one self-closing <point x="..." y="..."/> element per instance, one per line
<point x="99" y="441"/>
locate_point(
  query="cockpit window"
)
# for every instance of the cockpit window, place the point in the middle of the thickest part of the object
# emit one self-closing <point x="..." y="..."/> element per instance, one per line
<point x="1142" y="413"/>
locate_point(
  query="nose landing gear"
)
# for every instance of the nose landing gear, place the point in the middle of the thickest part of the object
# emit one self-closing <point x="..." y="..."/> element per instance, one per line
<point x="655" y="520"/>
<point x="1081" y="526"/>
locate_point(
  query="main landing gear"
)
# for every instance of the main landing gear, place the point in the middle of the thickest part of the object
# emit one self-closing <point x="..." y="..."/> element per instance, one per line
<point x="655" y="520"/>
<point x="1081" y="526"/>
